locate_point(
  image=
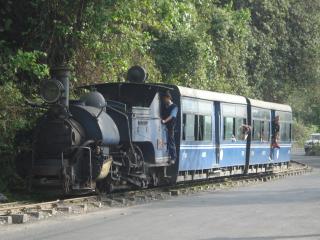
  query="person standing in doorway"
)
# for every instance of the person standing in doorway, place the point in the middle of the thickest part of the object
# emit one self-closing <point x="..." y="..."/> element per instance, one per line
<point x="275" y="132"/>
<point x="275" y="136"/>
<point x="169" y="119"/>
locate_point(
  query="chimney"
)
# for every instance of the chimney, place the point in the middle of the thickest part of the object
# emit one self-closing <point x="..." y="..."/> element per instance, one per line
<point x="62" y="74"/>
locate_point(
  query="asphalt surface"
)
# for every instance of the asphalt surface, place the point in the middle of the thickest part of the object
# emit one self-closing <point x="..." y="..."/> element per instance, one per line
<point x="313" y="161"/>
<point x="283" y="209"/>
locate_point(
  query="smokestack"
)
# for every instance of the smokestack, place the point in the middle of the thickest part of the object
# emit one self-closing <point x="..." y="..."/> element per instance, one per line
<point x="62" y="74"/>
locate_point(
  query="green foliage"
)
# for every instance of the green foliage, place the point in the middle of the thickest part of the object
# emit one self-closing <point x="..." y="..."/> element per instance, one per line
<point x="316" y="150"/>
<point x="230" y="34"/>
<point x="284" y="50"/>
<point x="19" y="70"/>
<point x="301" y="132"/>
<point x="177" y="57"/>
<point x="28" y="62"/>
<point x="12" y="119"/>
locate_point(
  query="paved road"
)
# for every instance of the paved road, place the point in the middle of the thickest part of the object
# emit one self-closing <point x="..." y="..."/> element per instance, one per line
<point x="283" y="209"/>
<point x="313" y="161"/>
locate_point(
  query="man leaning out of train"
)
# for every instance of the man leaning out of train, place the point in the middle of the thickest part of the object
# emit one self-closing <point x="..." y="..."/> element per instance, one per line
<point x="169" y="119"/>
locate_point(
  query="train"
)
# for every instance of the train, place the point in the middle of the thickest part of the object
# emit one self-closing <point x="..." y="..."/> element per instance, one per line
<point x="112" y="137"/>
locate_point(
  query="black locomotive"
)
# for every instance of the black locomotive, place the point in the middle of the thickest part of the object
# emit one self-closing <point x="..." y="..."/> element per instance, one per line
<point x="90" y="143"/>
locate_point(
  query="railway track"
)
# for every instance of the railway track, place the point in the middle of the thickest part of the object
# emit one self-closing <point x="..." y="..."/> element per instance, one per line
<point x="21" y="212"/>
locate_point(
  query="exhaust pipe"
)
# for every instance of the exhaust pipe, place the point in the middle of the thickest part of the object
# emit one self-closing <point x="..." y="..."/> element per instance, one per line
<point x="62" y="74"/>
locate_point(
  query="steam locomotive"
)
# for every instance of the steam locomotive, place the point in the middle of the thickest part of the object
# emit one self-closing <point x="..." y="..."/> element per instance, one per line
<point x="112" y="137"/>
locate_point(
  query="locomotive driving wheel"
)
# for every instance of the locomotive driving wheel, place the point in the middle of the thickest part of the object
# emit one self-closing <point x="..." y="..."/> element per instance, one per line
<point x="135" y="168"/>
<point x="134" y="160"/>
<point x="66" y="183"/>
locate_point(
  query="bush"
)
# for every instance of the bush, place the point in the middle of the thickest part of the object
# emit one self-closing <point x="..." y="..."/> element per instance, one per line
<point x="301" y="133"/>
<point x="316" y="150"/>
<point x="19" y="70"/>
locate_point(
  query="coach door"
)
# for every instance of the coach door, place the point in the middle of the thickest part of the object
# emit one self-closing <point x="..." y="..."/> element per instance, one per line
<point x="234" y="134"/>
<point x="281" y="136"/>
<point x="197" y="149"/>
<point x="260" y="140"/>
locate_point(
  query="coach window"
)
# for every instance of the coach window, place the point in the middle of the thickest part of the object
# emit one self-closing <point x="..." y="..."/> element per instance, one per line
<point x="207" y="128"/>
<point x="285" y="132"/>
<point x="285" y="125"/>
<point x="240" y="134"/>
<point x="228" y="128"/>
<point x="265" y="131"/>
<point x="188" y="127"/>
<point x="256" y="132"/>
<point x="197" y="131"/>
<point x="197" y="120"/>
<point x="202" y="128"/>
<point x="234" y="117"/>
<point x="261" y="125"/>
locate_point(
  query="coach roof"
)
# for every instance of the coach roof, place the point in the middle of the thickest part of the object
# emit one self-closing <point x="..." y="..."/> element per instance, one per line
<point x="270" y="105"/>
<point x="213" y="96"/>
<point x="229" y="98"/>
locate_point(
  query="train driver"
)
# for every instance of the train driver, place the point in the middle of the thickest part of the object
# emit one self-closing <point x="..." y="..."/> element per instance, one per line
<point x="169" y="117"/>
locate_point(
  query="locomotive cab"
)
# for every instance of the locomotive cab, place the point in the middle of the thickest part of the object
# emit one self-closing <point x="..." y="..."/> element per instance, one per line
<point x="142" y="107"/>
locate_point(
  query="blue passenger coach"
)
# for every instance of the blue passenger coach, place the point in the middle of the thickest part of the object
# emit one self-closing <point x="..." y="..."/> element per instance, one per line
<point x="213" y="141"/>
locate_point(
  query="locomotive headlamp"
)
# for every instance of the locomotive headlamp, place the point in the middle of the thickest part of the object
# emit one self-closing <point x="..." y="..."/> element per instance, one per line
<point x="51" y="90"/>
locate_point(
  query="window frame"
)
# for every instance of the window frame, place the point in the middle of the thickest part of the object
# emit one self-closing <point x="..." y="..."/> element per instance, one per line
<point x="235" y="112"/>
<point x="200" y="109"/>
<point x="285" y="119"/>
<point x="262" y="116"/>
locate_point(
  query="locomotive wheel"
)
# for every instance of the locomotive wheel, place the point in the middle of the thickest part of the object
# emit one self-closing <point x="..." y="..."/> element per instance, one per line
<point x="110" y="188"/>
<point x="155" y="180"/>
<point x="134" y="160"/>
<point x="29" y="183"/>
<point x="66" y="185"/>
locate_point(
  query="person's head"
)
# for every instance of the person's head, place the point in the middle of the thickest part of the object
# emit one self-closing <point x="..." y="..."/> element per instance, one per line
<point x="277" y="119"/>
<point x="166" y="97"/>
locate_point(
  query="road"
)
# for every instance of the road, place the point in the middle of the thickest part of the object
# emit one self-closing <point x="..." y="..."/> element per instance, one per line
<point x="284" y="209"/>
<point x="312" y="161"/>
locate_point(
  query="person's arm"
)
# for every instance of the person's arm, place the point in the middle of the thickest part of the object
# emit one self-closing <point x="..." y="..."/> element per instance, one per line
<point x="173" y="114"/>
<point x="167" y="119"/>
